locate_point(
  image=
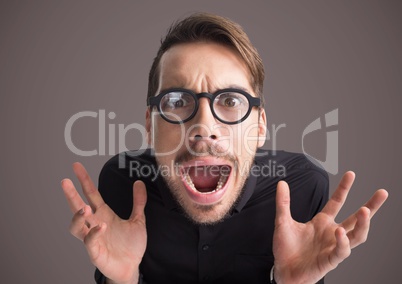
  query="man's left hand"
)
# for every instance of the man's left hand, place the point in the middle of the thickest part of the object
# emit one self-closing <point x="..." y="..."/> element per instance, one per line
<point x="305" y="253"/>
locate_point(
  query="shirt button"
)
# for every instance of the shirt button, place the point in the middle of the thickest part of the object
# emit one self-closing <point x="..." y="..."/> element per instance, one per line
<point x="205" y="247"/>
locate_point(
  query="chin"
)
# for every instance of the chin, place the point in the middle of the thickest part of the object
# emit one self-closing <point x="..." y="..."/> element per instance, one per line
<point x="206" y="214"/>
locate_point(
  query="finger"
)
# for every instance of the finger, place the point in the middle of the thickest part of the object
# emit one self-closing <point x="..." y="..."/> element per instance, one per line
<point x="90" y="191"/>
<point x="74" y="200"/>
<point x="337" y="200"/>
<point x="282" y="203"/>
<point x="92" y="240"/>
<point x="139" y="200"/>
<point x="342" y="249"/>
<point x="80" y="226"/>
<point x="359" y="233"/>
<point x="375" y="203"/>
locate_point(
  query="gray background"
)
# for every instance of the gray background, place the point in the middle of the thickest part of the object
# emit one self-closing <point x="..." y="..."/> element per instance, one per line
<point x="60" y="58"/>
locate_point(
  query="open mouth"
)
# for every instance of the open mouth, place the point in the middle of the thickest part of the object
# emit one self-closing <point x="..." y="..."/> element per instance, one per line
<point x="205" y="183"/>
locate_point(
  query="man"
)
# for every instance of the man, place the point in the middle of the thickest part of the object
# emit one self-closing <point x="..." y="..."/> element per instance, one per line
<point x="199" y="206"/>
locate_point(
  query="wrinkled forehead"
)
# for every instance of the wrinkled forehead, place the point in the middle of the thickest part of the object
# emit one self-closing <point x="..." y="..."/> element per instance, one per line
<point x="203" y="67"/>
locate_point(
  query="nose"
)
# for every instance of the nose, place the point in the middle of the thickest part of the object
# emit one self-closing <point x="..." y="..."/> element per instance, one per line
<point x="203" y="127"/>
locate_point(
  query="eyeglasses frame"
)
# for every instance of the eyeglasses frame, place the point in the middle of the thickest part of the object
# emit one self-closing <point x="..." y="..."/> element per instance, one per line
<point x="155" y="101"/>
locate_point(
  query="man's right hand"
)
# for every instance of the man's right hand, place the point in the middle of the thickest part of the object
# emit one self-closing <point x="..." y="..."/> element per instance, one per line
<point x="115" y="246"/>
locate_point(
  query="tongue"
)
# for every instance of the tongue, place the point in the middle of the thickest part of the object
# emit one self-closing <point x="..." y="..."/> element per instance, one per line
<point x="203" y="178"/>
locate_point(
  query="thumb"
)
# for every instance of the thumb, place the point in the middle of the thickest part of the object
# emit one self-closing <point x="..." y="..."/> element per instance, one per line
<point x="282" y="203"/>
<point x="139" y="199"/>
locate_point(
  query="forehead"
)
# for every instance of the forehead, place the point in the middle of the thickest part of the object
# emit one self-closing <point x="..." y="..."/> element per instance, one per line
<point x="203" y="67"/>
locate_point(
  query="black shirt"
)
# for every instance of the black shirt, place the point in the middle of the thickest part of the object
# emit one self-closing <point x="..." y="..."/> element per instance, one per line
<point x="237" y="250"/>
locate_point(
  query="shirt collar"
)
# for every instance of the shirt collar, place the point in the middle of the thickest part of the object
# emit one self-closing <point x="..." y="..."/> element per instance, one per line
<point x="248" y="191"/>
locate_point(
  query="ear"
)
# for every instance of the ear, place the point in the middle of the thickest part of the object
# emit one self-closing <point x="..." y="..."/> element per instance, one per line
<point x="262" y="128"/>
<point x="148" y="125"/>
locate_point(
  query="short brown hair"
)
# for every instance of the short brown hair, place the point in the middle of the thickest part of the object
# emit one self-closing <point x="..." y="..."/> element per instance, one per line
<point x="209" y="27"/>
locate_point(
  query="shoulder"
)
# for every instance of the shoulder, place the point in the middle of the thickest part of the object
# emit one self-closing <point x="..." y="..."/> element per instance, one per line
<point x="308" y="182"/>
<point x="118" y="175"/>
<point x="289" y="165"/>
<point x="131" y="165"/>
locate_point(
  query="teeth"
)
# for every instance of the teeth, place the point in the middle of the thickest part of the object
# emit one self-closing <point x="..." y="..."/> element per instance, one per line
<point x="222" y="180"/>
<point x="189" y="181"/>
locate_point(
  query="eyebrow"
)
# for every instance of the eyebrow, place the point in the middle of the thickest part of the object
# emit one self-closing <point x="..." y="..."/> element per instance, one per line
<point x="234" y="86"/>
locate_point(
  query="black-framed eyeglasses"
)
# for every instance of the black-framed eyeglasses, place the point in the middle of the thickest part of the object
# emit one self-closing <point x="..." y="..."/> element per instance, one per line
<point x="230" y="106"/>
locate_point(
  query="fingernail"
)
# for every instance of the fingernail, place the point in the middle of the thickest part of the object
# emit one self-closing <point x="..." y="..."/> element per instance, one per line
<point x="82" y="211"/>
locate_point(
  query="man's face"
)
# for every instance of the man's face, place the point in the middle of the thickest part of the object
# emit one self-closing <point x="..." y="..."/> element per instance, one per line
<point x="208" y="161"/>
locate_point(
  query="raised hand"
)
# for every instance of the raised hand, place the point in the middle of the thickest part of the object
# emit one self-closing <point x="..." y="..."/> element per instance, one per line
<point x="304" y="253"/>
<point x="115" y="246"/>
